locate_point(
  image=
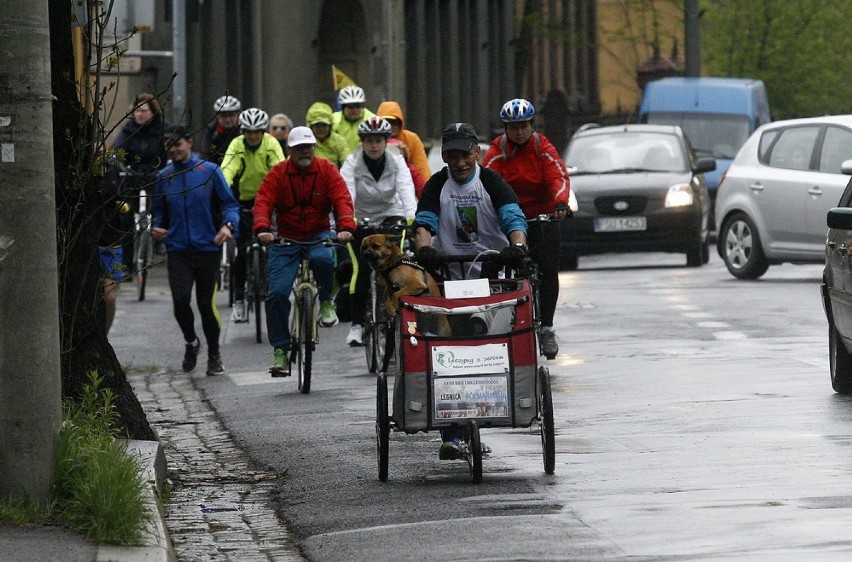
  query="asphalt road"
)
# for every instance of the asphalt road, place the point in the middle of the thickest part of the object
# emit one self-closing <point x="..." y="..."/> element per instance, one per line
<point x="694" y="417"/>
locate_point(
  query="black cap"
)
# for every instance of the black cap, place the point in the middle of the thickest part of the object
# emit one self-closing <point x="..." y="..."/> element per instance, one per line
<point x="459" y="136"/>
<point x="176" y="132"/>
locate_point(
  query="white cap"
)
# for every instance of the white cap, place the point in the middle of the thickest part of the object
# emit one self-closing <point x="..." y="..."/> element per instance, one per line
<point x="301" y="135"/>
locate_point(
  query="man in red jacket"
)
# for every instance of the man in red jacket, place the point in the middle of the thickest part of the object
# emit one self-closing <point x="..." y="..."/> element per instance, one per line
<point x="303" y="190"/>
<point x="530" y="164"/>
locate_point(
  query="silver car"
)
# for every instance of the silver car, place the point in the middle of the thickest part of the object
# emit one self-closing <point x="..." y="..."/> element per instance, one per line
<point x="772" y="202"/>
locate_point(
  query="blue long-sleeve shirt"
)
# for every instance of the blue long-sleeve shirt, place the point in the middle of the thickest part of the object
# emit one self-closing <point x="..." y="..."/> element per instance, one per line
<point x="193" y="201"/>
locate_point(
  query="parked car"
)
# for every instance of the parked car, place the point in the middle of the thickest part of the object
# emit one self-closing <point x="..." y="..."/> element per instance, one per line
<point x="639" y="188"/>
<point x="837" y="289"/>
<point x="772" y="202"/>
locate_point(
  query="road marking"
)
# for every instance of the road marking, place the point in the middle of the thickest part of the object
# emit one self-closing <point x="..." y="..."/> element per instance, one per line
<point x="713" y="325"/>
<point x="729" y="335"/>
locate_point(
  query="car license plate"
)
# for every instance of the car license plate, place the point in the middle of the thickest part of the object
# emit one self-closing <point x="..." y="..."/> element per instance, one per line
<point x="620" y="224"/>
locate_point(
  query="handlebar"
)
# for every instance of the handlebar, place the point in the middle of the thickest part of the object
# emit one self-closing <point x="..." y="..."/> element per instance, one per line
<point x="284" y="241"/>
<point x="390" y="225"/>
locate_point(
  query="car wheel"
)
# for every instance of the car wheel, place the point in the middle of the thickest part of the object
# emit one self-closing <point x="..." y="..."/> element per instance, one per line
<point x="695" y="255"/>
<point x="568" y="263"/>
<point x="840" y="361"/>
<point x="741" y="248"/>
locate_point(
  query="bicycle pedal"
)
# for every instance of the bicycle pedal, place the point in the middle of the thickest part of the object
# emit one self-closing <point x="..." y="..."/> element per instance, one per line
<point x="278" y="373"/>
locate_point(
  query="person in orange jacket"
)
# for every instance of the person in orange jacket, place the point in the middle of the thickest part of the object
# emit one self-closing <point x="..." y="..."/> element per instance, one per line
<point x="532" y="166"/>
<point x="391" y="112"/>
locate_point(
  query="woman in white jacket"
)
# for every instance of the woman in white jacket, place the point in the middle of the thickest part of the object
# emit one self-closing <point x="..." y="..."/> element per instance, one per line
<point x="382" y="190"/>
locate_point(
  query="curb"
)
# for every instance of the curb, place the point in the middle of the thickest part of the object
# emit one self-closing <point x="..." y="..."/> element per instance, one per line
<point x="158" y="545"/>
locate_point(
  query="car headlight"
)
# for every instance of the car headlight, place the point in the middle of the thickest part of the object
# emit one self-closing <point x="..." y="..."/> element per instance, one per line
<point x="679" y="195"/>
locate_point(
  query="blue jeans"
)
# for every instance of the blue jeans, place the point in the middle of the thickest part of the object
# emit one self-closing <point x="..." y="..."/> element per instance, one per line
<point x="283" y="264"/>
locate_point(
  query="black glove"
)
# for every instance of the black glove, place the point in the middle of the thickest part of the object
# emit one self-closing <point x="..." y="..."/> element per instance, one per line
<point x="564" y="208"/>
<point x="428" y="257"/>
<point x="513" y="255"/>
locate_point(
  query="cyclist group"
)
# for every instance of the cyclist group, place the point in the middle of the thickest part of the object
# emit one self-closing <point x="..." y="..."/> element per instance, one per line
<point x="317" y="181"/>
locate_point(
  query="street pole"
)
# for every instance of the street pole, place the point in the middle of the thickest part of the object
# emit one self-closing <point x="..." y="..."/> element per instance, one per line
<point x="179" y="61"/>
<point x="692" y="37"/>
<point x="30" y="377"/>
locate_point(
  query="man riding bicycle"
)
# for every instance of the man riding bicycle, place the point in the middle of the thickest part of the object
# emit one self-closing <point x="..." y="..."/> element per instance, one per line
<point x="302" y="190"/>
<point x="249" y="157"/>
<point x="466" y="209"/>
<point x="532" y="166"/>
<point x="381" y="187"/>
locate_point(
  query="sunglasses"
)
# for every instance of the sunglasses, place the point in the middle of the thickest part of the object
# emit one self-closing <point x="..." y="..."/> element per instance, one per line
<point x="280" y="128"/>
<point x="353" y="105"/>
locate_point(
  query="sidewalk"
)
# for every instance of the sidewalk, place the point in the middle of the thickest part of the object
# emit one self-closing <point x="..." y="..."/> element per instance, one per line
<point x="219" y="505"/>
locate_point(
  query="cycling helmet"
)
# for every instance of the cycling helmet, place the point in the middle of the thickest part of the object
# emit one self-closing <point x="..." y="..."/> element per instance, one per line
<point x="351" y="94"/>
<point x="254" y="119"/>
<point x="226" y="104"/>
<point x="374" y="125"/>
<point x="517" y="110"/>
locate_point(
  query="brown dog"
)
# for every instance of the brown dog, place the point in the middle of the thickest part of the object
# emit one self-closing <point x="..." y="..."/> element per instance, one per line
<point x="400" y="276"/>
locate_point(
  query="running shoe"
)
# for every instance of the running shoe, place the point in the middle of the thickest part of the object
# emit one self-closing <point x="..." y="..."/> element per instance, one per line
<point x="328" y="314"/>
<point x="215" y="366"/>
<point x="355" y="336"/>
<point x="238" y="314"/>
<point x="449" y="450"/>
<point x="547" y="339"/>
<point x="190" y="357"/>
<point x="280" y="366"/>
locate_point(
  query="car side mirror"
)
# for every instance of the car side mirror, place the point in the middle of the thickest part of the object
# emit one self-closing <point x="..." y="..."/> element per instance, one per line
<point x="840" y="218"/>
<point x="704" y="164"/>
<point x="846" y="167"/>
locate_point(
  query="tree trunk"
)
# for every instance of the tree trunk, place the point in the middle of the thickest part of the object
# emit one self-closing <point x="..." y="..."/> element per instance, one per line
<point x="79" y="199"/>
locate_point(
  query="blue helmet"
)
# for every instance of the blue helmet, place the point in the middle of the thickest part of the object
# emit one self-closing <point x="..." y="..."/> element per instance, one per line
<point x="517" y="110"/>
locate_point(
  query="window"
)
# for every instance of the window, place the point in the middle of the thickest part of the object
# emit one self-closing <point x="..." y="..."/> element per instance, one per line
<point x="836" y="148"/>
<point x="793" y="147"/>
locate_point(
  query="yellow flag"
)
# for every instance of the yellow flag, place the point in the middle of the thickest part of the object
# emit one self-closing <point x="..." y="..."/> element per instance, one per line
<point x="340" y="79"/>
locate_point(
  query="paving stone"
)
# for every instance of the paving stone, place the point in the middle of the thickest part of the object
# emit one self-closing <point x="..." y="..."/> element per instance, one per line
<point x="220" y="506"/>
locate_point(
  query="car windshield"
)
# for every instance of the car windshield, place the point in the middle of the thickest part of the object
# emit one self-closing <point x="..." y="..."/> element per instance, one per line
<point x="719" y="136"/>
<point x="626" y="152"/>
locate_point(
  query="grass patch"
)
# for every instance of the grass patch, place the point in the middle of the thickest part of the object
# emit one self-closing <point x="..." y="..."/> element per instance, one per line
<point x="98" y="490"/>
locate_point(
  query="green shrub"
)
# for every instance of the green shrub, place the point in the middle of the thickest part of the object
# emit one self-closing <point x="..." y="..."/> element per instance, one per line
<point x="98" y="487"/>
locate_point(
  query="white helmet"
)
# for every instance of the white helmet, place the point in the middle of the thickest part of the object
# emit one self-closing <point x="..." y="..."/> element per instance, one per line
<point x="226" y="104"/>
<point x="254" y="119"/>
<point x="351" y="94"/>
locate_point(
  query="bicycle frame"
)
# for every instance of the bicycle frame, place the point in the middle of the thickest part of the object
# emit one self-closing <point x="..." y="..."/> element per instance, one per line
<point x="304" y="282"/>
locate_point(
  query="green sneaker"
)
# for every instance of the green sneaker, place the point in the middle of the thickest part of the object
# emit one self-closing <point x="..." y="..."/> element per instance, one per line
<point x="328" y="314"/>
<point x="280" y="366"/>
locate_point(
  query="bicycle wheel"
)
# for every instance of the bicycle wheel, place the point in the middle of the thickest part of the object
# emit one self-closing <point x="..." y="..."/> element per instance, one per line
<point x="475" y="452"/>
<point x="370" y="341"/>
<point x="382" y="426"/>
<point x="144" y="256"/>
<point x="306" y="345"/>
<point x="257" y="276"/>
<point x="295" y="355"/>
<point x="545" y="411"/>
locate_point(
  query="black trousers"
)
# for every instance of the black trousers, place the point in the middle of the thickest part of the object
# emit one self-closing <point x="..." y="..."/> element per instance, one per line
<point x="543" y="242"/>
<point x="200" y="269"/>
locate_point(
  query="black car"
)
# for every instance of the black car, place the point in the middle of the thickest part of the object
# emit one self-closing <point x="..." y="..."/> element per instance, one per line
<point x="837" y="289"/>
<point x="639" y="188"/>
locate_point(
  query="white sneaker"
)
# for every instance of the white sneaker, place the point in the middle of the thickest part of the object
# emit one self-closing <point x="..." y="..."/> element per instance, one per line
<point x="238" y="314"/>
<point x="355" y="336"/>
